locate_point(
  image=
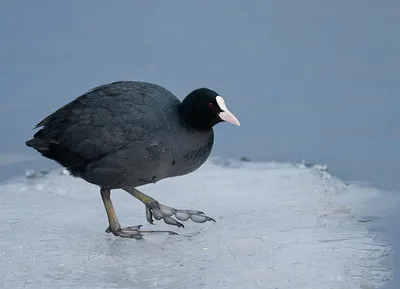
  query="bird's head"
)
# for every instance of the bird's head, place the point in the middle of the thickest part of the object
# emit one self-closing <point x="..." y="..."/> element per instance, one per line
<point x="203" y="108"/>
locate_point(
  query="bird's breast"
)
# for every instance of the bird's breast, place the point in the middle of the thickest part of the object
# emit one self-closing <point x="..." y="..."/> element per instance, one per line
<point x="191" y="152"/>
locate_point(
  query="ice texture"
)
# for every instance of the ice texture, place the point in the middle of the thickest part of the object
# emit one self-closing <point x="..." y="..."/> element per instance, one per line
<point x="278" y="226"/>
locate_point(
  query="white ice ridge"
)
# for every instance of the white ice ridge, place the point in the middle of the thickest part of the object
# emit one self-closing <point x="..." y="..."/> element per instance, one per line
<point x="278" y="226"/>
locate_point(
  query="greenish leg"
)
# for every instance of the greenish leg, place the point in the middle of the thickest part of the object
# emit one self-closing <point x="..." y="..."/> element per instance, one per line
<point x="159" y="211"/>
<point x="114" y="226"/>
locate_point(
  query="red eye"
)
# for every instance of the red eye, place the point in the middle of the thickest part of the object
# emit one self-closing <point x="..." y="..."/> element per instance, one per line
<point x="210" y="105"/>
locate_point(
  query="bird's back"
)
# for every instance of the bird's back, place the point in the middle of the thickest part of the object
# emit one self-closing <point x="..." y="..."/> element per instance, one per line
<point x="103" y="121"/>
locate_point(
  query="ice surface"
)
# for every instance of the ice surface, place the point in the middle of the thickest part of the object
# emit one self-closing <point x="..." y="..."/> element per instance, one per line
<point x="278" y="226"/>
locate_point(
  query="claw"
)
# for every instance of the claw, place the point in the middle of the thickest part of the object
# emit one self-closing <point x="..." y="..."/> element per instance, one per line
<point x="170" y="221"/>
<point x="201" y="218"/>
<point x="198" y="218"/>
<point x="149" y="215"/>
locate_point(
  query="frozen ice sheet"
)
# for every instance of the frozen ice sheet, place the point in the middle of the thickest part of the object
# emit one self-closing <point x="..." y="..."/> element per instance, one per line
<point x="278" y="226"/>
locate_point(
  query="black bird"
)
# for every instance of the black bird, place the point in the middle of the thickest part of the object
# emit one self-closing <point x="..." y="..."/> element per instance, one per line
<point x="127" y="134"/>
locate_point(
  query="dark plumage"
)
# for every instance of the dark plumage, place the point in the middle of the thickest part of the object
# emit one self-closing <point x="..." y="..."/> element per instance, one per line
<point x="126" y="134"/>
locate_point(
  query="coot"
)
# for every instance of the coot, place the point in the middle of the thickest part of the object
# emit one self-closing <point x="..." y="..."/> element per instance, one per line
<point x="127" y="134"/>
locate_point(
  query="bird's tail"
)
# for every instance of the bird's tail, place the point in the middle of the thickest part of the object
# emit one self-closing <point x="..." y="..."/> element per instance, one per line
<point x="51" y="149"/>
<point x="38" y="144"/>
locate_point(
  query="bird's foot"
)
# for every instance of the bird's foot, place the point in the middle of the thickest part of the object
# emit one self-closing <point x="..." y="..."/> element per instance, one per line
<point x="135" y="232"/>
<point x="160" y="211"/>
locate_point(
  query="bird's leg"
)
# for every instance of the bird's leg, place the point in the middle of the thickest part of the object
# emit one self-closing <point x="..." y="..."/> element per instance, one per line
<point x="115" y="227"/>
<point x="159" y="211"/>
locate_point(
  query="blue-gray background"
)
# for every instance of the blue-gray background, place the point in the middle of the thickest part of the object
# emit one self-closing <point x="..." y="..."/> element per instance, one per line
<point x="313" y="80"/>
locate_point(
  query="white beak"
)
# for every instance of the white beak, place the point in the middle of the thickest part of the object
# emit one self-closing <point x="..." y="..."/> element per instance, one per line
<point x="225" y="114"/>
